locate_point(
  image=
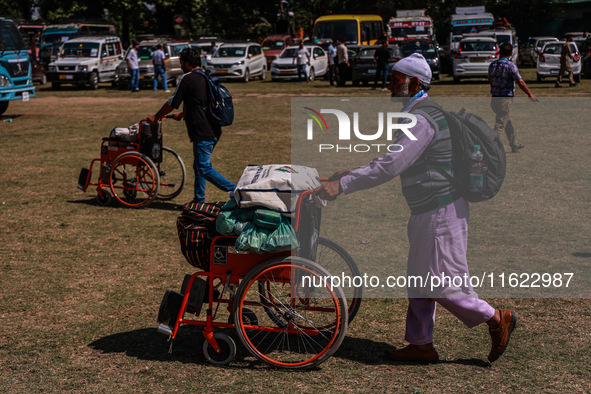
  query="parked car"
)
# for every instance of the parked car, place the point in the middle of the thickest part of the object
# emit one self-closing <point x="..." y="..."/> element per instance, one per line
<point x="274" y="45"/>
<point x="548" y="64"/>
<point x="531" y="50"/>
<point x="86" y="60"/>
<point x="238" y="61"/>
<point x="38" y="72"/>
<point x="285" y="66"/>
<point x="430" y="51"/>
<point x="473" y="58"/>
<point x="364" y="66"/>
<point x="171" y="50"/>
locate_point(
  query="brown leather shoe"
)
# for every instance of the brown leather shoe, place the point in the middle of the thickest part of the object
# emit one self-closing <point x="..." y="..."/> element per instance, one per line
<point x="413" y="354"/>
<point x="500" y="336"/>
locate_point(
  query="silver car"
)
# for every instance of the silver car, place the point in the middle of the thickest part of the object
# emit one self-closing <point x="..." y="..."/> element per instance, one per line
<point x="548" y="64"/>
<point x="473" y="58"/>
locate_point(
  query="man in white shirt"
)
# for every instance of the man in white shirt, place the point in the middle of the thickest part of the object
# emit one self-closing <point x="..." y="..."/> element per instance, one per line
<point x="343" y="62"/>
<point x="133" y="61"/>
<point x="300" y="55"/>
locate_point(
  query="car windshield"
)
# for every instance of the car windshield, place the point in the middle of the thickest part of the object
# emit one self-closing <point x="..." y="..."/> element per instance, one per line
<point x="422" y="47"/>
<point x="553" y="49"/>
<point x="80" y="49"/>
<point x="145" y="51"/>
<point x="291" y="52"/>
<point x="503" y="38"/>
<point x="542" y="42"/>
<point x="339" y="29"/>
<point x="472" y="46"/>
<point x="273" y="45"/>
<point x="367" y="52"/>
<point x="230" y="52"/>
<point x="175" y="50"/>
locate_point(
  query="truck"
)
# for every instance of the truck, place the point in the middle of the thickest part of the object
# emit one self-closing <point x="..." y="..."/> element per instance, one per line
<point x="15" y="66"/>
<point x="468" y="20"/>
<point x="410" y="24"/>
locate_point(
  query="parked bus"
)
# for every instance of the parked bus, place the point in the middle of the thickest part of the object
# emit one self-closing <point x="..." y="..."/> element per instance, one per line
<point x="355" y="29"/>
<point x="15" y="66"/>
<point x="53" y="36"/>
<point x="410" y="24"/>
<point x="468" y="20"/>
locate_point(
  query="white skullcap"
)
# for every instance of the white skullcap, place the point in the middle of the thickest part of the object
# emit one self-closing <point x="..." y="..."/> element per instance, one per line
<point x="414" y="65"/>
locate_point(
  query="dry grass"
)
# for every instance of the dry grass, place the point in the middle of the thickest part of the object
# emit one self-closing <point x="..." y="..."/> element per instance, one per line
<point x="81" y="284"/>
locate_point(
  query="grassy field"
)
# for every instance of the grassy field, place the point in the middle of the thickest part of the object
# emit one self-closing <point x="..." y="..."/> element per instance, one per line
<point x="81" y="284"/>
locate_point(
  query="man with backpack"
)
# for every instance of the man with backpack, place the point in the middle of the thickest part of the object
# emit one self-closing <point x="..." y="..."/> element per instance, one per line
<point x="438" y="225"/>
<point x="204" y="131"/>
<point x="503" y="74"/>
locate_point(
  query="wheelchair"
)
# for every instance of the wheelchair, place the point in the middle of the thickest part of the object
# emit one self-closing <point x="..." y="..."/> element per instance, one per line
<point x="136" y="170"/>
<point x="281" y="305"/>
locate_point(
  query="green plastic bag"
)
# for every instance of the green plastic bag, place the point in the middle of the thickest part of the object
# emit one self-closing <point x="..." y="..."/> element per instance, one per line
<point x="282" y="238"/>
<point x="225" y="223"/>
<point x="252" y="239"/>
<point x="230" y="205"/>
<point x="266" y="219"/>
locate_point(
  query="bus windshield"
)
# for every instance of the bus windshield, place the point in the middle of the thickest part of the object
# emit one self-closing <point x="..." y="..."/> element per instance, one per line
<point x="10" y="38"/>
<point x="337" y="30"/>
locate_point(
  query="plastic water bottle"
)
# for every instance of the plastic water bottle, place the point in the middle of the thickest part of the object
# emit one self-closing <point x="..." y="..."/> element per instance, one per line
<point x="478" y="170"/>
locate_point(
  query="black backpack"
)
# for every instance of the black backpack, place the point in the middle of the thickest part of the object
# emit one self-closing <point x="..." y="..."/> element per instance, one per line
<point x="467" y="130"/>
<point x="221" y="108"/>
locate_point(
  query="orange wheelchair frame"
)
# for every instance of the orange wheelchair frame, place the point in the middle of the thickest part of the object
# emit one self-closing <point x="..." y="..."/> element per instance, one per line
<point x="136" y="172"/>
<point x="282" y="306"/>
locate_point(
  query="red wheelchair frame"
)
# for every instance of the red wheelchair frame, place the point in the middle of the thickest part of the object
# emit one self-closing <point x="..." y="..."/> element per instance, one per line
<point x="281" y="317"/>
<point x="136" y="172"/>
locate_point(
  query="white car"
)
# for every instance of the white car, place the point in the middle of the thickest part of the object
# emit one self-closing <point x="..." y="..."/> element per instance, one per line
<point x="285" y="66"/>
<point x="86" y="60"/>
<point x="474" y="56"/>
<point x="238" y="61"/>
<point x="548" y="64"/>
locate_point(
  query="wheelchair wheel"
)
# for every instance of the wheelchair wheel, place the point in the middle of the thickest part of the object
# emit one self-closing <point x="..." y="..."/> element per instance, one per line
<point x="227" y="349"/>
<point x="338" y="262"/>
<point x="313" y="317"/>
<point x="172" y="174"/>
<point x="103" y="198"/>
<point x="134" y="179"/>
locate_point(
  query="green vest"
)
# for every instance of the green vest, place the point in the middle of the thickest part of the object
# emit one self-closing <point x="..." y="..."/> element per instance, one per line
<point x="423" y="187"/>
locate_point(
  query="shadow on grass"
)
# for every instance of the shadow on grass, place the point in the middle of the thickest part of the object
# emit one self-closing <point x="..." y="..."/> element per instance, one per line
<point x="369" y="352"/>
<point x="157" y="205"/>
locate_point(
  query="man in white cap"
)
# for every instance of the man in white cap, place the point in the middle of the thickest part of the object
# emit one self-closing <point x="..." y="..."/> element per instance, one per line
<point x="438" y="225"/>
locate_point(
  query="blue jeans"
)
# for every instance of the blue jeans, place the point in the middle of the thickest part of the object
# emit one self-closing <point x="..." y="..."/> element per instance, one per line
<point x="204" y="171"/>
<point x="382" y="70"/>
<point x="302" y="70"/>
<point x="135" y="78"/>
<point x="159" y="70"/>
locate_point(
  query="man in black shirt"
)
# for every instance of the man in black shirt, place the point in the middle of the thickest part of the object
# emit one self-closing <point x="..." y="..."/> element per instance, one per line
<point x="192" y="91"/>
<point x="381" y="56"/>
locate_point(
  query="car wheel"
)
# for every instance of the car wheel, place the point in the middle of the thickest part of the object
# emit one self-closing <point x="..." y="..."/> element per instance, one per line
<point x="94" y="80"/>
<point x="43" y="79"/>
<point x="539" y="78"/>
<point x="456" y="79"/>
<point x="264" y="74"/>
<point x="312" y="75"/>
<point x="355" y="82"/>
<point x="577" y="78"/>
<point x="246" y="76"/>
<point x="365" y="83"/>
<point x="55" y="85"/>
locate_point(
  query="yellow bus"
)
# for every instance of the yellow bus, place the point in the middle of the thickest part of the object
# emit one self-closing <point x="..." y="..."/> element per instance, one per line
<point x="355" y="29"/>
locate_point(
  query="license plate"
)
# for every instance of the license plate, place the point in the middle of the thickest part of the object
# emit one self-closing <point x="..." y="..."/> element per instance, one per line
<point x="371" y="71"/>
<point x="553" y="71"/>
<point x="25" y="96"/>
<point x="477" y="59"/>
<point x="221" y="71"/>
<point x="287" y="72"/>
<point x="66" y="77"/>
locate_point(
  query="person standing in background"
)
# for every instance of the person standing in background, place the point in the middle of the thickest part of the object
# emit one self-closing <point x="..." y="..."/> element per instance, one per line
<point x="343" y="62"/>
<point x="159" y="62"/>
<point x="133" y="63"/>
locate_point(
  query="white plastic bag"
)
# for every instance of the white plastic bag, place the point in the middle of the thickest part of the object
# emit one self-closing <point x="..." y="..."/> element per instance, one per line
<point x="274" y="186"/>
<point x="125" y="133"/>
